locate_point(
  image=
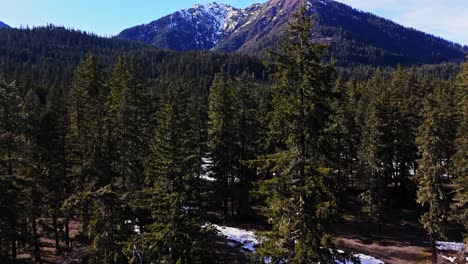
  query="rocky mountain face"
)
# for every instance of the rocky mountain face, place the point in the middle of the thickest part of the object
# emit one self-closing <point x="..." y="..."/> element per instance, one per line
<point x="357" y="37"/>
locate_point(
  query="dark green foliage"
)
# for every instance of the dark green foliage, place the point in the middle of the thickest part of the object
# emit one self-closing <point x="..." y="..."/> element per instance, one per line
<point x="345" y="131"/>
<point x="434" y="138"/>
<point x="12" y="200"/>
<point x="460" y="166"/>
<point x="117" y="147"/>
<point x="130" y="124"/>
<point x="222" y="136"/>
<point x="233" y="139"/>
<point x="301" y="202"/>
<point x="46" y="57"/>
<point x="108" y="228"/>
<point x="176" y="235"/>
<point x="390" y="116"/>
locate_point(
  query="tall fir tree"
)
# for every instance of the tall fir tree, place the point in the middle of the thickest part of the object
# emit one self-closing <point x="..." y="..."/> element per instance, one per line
<point x="370" y="154"/>
<point x="109" y="227"/>
<point x="434" y="162"/>
<point x="460" y="163"/>
<point x="300" y="196"/>
<point x="129" y="118"/>
<point x="33" y="169"/>
<point x="247" y="138"/>
<point x="12" y="200"/>
<point x="176" y="234"/>
<point x="87" y="138"/>
<point x="222" y="136"/>
<point x="345" y="131"/>
<point x="373" y="198"/>
<point x="89" y="146"/>
<point x="53" y="135"/>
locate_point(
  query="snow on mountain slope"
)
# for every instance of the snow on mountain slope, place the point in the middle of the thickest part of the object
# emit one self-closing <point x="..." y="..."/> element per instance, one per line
<point x="200" y="27"/>
<point x="356" y="37"/>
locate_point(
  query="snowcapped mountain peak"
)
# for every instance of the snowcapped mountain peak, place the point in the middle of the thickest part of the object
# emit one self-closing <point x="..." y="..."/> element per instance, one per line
<point x="212" y="21"/>
<point x="221" y="27"/>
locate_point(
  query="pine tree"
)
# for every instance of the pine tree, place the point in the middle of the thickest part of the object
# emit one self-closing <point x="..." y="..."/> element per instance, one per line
<point x="87" y="110"/>
<point x="222" y="136"/>
<point x="373" y="197"/>
<point x="57" y="187"/>
<point x="12" y="207"/>
<point x="108" y="228"/>
<point x="176" y="235"/>
<point x="345" y="130"/>
<point x="130" y="116"/>
<point x="247" y="134"/>
<point x="88" y="145"/>
<point x="300" y="198"/>
<point x="370" y="153"/>
<point x="460" y="164"/>
<point x="32" y="170"/>
<point x="431" y="141"/>
<point x="403" y="115"/>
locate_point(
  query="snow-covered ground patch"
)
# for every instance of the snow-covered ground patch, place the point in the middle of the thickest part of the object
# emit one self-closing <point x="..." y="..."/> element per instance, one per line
<point x="450" y="246"/>
<point x="367" y="259"/>
<point x="364" y="259"/>
<point x="249" y="241"/>
<point x="450" y="259"/>
<point x="246" y="238"/>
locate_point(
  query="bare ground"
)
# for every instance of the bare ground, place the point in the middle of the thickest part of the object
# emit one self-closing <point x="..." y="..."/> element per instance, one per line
<point x="401" y="240"/>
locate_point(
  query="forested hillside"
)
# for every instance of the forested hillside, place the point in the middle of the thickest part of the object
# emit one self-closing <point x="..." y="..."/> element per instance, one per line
<point x="116" y="152"/>
<point x="47" y="56"/>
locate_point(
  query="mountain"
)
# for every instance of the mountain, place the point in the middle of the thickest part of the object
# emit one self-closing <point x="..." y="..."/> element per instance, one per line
<point x="3" y="25"/>
<point x="357" y="37"/>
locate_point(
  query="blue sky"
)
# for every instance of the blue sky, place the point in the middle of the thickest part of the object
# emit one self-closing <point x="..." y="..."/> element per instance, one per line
<point x="445" y="18"/>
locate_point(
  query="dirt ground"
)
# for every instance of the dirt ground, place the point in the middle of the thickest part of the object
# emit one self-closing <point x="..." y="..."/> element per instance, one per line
<point x="401" y="240"/>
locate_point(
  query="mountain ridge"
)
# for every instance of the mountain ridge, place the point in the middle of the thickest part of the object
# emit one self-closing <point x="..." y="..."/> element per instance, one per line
<point x="358" y="37"/>
<point x="3" y="25"/>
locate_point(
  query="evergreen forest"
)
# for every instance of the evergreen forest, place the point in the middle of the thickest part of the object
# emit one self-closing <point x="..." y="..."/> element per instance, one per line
<point x="114" y="152"/>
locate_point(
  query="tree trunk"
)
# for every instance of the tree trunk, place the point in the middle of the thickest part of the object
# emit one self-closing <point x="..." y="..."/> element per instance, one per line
<point x="13" y="241"/>
<point x="36" y="246"/>
<point x="67" y="234"/>
<point x="56" y="236"/>
<point x="232" y="202"/>
<point x="403" y="190"/>
<point x="13" y="219"/>
<point x="433" y="250"/>
<point x="369" y="224"/>
<point x="225" y="196"/>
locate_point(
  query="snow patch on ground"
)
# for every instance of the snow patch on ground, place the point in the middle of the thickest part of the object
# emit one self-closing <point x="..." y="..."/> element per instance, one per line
<point x="246" y="238"/>
<point x="451" y="246"/>
<point x="364" y="259"/>
<point x="451" y="259"/>
<point x="249" y="241"/>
